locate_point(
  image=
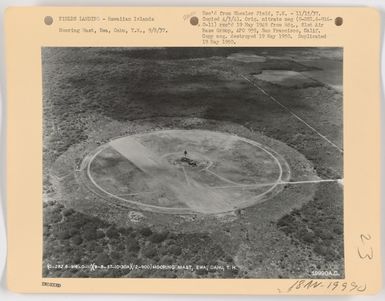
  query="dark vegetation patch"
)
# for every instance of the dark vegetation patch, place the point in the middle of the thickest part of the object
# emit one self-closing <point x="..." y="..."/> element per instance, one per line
<point x="302" y="85"/>
<point x="76" y="239"/>
<point x="318" y="223"/>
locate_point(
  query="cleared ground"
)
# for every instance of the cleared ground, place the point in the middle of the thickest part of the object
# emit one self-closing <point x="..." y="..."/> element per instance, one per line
<point x="219" y="173"/>
<point x="288" y="79"/>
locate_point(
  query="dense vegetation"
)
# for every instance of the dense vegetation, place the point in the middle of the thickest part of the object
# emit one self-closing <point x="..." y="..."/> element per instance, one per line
<point x="72" y="238"/>
<point x="317" y="223"/>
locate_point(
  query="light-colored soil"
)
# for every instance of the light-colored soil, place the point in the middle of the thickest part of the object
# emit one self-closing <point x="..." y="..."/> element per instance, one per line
<point x="245" y="57"/>
<point x="286" y="78"/>
<point x="119" y="182"/>
<point x="147" y="170"/>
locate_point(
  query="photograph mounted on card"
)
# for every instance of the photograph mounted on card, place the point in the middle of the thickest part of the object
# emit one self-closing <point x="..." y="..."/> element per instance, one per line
<point x="225" y="150"/>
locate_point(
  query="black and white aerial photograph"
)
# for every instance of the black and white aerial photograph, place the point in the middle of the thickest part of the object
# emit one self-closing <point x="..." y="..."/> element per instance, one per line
<point x="211" y="162"/>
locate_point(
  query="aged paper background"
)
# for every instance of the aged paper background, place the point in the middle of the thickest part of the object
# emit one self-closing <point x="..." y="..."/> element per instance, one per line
<point x="23" y="61"/>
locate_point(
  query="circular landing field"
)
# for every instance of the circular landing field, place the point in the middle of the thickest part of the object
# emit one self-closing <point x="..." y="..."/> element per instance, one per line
<point x="185" y="171"/>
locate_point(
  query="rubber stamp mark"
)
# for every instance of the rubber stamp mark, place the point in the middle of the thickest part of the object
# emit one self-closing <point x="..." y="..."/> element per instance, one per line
<point x="51" y="284"/>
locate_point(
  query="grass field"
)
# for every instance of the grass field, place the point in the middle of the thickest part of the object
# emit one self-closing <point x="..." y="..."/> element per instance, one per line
<point x="287" y="99"/>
